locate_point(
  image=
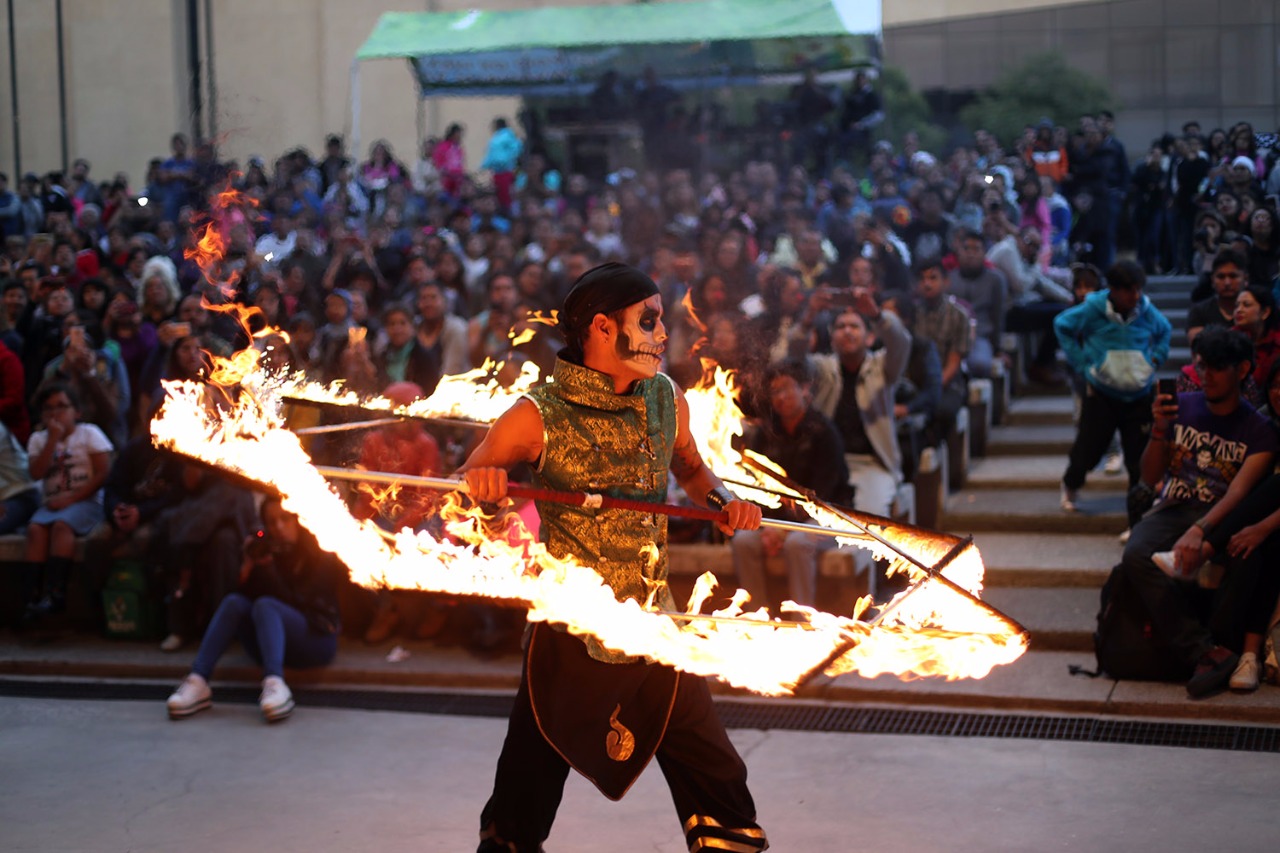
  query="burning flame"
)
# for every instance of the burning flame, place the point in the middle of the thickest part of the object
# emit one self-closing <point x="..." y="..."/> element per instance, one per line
<point x="476" y="395"/>
<point x="934" y="628"/>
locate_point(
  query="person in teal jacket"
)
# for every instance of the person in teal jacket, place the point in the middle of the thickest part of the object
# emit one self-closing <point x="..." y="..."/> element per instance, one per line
<point x="1114" y="341"/>
<point x="502" y="157"/>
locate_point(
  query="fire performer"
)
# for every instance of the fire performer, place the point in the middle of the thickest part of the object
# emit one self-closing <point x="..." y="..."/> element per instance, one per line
<point x="610" y="423"/>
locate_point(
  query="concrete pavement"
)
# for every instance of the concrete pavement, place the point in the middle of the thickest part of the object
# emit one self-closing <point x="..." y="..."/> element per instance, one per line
<point x="119" y="776"/>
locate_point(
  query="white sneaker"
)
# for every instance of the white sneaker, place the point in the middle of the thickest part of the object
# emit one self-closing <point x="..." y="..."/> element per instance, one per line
<point x="171" y="643"/>
<point x="276" y="700"/>
<point x="1114" y="464"/>
<point x="192" y="696"/>
<point x="1124" y="537"/>
<point x="1070" y="497"/>
<point x="1245" y="678"/>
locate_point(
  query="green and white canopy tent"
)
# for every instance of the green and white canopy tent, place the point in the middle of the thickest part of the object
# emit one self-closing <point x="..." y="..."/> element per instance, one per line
<point x="560" y="50"/>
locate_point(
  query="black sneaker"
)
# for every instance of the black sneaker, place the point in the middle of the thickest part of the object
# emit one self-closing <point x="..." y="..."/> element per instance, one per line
<point x="1213" y="670"/>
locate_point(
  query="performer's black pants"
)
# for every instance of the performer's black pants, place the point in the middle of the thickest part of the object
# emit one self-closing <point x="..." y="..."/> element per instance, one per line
<point x="707" y="778"/>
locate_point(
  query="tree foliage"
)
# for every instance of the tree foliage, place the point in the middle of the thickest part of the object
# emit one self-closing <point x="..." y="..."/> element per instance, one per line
<point x="906" y="109"/>
<point x="1045" y="86"/>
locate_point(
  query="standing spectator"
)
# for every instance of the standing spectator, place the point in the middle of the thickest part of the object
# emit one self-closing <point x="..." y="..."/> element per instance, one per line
<point x="1188" y="180"/>
<point x="1115" y="340"/>
<point x="335" y="160"/>
<point x="502" y="157"/>
<point x="176" y="178"/>
<point x="1117" y="176"/>
<point x="10" y="210"/>
<point x="1045" y="156"/>
<point x="810" y="104"/>
<point x="862" y="114"/>
<point x="1207" y="450"/>
<point x="30" y="207"/>
<point x="71" y="459"/>
<point x="284" y="612"/>
<point x="1151" y="202"/>
<point x="450" y="161"/>
<point x="806" y="444"/>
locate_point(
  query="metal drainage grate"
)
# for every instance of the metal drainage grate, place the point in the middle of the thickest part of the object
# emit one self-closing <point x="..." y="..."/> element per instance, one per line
<point x="736" y="714"/>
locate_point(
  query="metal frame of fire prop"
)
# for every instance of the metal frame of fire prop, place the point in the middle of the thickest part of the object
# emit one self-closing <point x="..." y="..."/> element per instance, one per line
<point x="936" y="627"/>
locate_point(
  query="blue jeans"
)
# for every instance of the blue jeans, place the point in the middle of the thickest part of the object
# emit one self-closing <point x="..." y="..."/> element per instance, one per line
<point x="800" y="551"/>
<point x="18" y="510"/>
<point x="272" y="632"/>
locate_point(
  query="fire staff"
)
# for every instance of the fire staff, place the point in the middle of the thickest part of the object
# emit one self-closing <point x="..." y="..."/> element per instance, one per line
<point x="610" y="423"/>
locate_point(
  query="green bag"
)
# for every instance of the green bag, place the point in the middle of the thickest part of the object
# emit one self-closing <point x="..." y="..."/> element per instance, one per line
<point x="130" y="612"/>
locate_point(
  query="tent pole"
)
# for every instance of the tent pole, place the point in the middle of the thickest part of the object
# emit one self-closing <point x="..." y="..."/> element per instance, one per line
<point x="355" y="108"/>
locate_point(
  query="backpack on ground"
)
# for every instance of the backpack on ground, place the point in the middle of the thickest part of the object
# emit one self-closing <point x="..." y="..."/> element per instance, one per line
<point x="1125" y="644"/>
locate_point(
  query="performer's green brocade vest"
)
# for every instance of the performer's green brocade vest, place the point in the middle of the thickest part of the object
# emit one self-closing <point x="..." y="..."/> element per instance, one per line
<point x="618" y="445"/>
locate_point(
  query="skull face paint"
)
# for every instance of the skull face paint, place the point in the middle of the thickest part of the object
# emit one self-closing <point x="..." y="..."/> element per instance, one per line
<point x="642" y="336"/>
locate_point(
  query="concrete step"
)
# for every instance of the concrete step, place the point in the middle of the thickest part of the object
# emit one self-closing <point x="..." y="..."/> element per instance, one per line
<point x="1038" y="411"/>
<point x="1033" y="511"/>
<point x="1026" y="472"/>
<point x="1048" y="559"/>
<point x="1037" y="440"/>
<point x="1041" y="680"/>
<point x="1059" y="620"/>
<point x="1162" y="283"/>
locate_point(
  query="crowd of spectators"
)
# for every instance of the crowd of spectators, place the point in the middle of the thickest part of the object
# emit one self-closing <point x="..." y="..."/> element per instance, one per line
<point x="856" y="286"/>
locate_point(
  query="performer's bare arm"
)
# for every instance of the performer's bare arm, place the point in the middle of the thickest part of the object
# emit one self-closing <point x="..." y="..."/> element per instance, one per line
<point x="515" y="437"/>
<point x="698" y="480"/>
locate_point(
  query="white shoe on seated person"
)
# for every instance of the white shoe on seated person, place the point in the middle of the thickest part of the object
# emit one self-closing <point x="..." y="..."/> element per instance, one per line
<point x="1245" y="678"/>
<point x="192" y="696"/>
<point x="276" y="700"/>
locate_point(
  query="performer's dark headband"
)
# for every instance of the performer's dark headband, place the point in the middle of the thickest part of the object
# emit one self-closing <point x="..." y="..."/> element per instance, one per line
<point x="602" y="290"/>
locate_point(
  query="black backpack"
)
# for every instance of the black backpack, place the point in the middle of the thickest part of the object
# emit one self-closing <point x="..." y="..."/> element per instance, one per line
<point x="1124" y="642"/>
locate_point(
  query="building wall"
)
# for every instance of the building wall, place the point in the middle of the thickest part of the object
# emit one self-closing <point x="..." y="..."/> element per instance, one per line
<point x="1168" y="61"/>
<point x="281" y="69"/>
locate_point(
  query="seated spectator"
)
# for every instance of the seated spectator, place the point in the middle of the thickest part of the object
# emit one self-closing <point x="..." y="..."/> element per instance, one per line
<point x="442" y="334"/>
<point x="1115" y="340"/>
<point x="158" y="293"/>
<point x="71" y="459"/>
<point x="97" y="377"/>
<point x="1036" y="298"/>
<point x="806" y="444"/>
<point x="402" y="359"/>
<point x="19" y="497"/>
<point x="1255" y="316"/>
<point x="919" y="389"/>
<point x="284" y="611"/>
<point x="13" y="395"/>
<point x="138" y="486"/>
<point x="940" y="319"/>
<point x="983" y="288"/>
<point x="1264" y="255"/>
<point x="1207" y="451"/>
<point x="488" y="332"/>
<point x="854" y="387"/>
<point x="197" y="540"/>
<point x="1229" y="276"/>
<point x="403" y="448"/>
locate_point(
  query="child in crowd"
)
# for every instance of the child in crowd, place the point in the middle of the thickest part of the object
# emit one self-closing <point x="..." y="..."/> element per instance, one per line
<point x="72" y="459"/>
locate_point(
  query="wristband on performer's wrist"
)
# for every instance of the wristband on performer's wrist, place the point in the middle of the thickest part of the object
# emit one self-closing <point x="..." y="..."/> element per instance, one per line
<point x="719" y="497"/>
